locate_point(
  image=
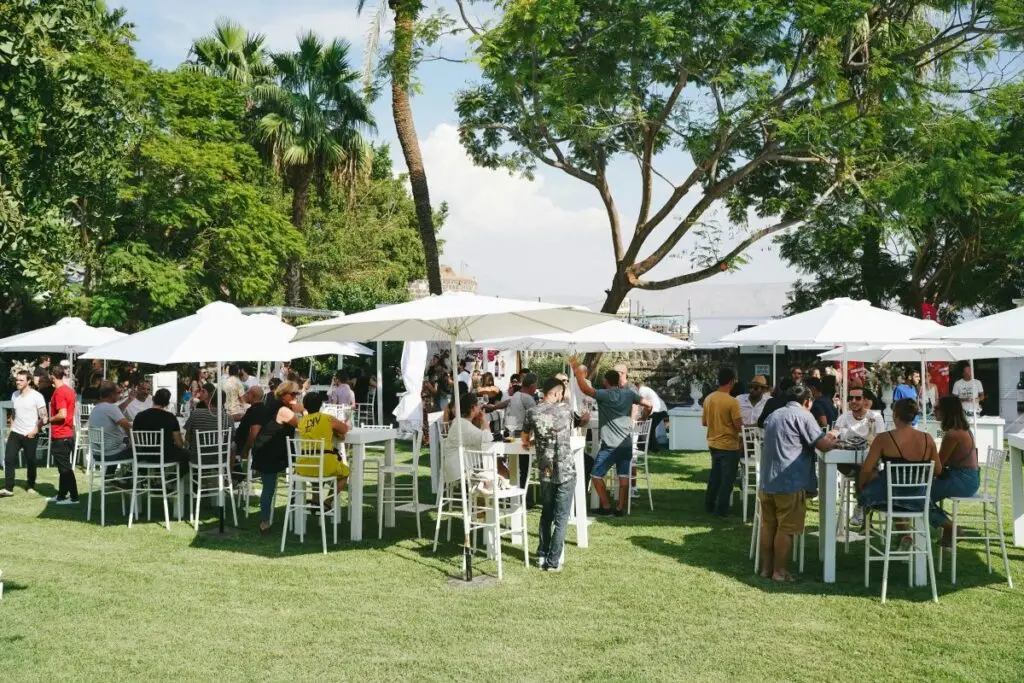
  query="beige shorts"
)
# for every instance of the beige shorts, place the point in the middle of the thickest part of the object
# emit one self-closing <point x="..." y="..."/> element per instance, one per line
<point x="787" y="510"/>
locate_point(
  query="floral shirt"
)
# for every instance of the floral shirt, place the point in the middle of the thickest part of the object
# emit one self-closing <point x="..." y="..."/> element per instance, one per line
<point x="551" y="425"/>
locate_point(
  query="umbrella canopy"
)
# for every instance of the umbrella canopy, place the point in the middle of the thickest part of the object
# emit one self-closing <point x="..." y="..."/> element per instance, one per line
<point x="452" y="317"/>
<point x="608" y="336"/>
<point x="67" y="335"/>
<point x="1001" y="329"/>
<point x="839" y="321"/>
<point x="216" y="332"/>
<point x="285" y="332"/>
<point x="915" y="352"/>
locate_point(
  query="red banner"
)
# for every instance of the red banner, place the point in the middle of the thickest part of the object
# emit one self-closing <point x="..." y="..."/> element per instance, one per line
<point x="938" y="373"/>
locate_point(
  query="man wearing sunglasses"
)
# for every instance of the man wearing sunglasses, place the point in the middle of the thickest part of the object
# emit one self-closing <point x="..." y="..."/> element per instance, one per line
<point x="859" y="419"/>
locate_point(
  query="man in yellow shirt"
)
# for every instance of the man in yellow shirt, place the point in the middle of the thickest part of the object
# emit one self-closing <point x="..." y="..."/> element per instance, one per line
<point x="317" y="426"/>
<point x="724" y="422"/>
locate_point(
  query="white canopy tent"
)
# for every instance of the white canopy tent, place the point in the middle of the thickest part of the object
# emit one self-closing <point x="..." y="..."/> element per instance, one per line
<point x="840" y="322"/>
<point x="606" y="337"/>
<point x="1001" y="329"/>
<point x="453" y="317"/>
<point x="923" y="352"/>
<point x="217" y="332"/>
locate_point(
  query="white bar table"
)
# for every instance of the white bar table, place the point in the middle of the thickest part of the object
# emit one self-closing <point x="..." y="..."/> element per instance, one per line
<point x="357" y="439"/>
<point x="1017" y="485"/>
<point x="828" y="483"/>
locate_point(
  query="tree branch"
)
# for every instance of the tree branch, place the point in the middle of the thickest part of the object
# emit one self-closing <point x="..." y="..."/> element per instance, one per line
<point x="465" y="19"/>
<point x="697" y="275"/>
<point x="650" y="135"/>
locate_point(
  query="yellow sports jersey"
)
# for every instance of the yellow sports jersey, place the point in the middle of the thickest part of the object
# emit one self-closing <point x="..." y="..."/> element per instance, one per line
<point x="317" y="427"/>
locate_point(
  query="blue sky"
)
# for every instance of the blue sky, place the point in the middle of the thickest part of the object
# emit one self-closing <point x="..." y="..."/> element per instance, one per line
<point x="547" y="238"/>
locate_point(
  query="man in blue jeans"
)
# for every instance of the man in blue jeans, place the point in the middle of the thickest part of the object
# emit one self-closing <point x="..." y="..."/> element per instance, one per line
<point x="615" y="423"/>
<point x="724" y="421"/>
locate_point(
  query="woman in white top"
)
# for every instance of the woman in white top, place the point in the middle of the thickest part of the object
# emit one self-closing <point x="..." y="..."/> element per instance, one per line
<point x="474" y="436"/>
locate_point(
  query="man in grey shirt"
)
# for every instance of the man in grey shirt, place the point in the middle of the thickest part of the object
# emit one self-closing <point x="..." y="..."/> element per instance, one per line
<point x="791" y="435"/>
<point x="615" y="423"/>
<point x="108" y="418"/>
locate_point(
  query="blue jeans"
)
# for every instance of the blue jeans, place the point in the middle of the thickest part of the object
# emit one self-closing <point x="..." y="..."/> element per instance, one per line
<point x="955" y="482"/>
<point x="269" y="480"/>
<point x="557" y="502"/>
<point x="724" y="465"/>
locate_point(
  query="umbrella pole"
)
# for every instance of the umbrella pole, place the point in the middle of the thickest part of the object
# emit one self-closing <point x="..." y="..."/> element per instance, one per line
<point x="924" y="392"/>
<point x="466" y="552"/>
<point x="379" y="394"/>
<point x="974" y="395"/>
<point x="775" y="376"/>
<point x="220" y="450"/>
<point x="845" y="382"/>
<point x="104" y="369"/>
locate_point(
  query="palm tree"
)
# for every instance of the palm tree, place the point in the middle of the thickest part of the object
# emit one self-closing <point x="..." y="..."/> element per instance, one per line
<point x="232" y="53"/>
<point x="313" y="125"/>
<point x="405" y="12"/>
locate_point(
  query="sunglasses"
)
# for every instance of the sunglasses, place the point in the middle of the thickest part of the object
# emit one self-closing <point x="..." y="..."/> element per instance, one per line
<point x="854" y="398"/>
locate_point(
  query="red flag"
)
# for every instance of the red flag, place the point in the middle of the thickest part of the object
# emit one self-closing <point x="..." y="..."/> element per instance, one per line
<point x="938" y="373"/>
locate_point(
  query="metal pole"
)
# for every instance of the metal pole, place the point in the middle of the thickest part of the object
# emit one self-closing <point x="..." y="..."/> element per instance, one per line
<point x="844" y="389"/>
<point x="977" y="408"/>
<point x="466" y="550"/>
<point x="380" y="383"/>
<point x="775" y="376"/>
<point x="220" y="450"/>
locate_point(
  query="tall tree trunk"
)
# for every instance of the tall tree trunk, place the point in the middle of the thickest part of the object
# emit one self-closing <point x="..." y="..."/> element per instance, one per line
<point x="406" y="130"/>
<point x="302" y="177"/>
<point x="613" y="299"/>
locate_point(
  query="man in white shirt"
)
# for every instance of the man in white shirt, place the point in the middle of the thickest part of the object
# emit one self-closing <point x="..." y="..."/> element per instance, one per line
<point x="138" y="400"/>
<point x="858" y="420"/>
<point x="248" y="381"/>
<point x="464" y="375"/>
<point x="970" y="392"/>
<point x="30" y="415"/>
<point x="752" y="403"/>
<point x="659" y="412"/>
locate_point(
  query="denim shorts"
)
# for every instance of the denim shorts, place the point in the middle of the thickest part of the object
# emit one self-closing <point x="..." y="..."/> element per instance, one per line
<point x="621" y="458"/>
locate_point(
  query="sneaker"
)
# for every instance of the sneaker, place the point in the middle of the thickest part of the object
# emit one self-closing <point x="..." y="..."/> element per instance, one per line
<point x="620" y="513"/>
<point x="32" y="490"/>
<point x="4" y="493"/>
<point x="67" y="501"/>
<point x="599" y="511"/>
<point x="858" y="517"/>
<point x="552" y="568"/>
<point x="635" y="493"/>
<point x="541" y="562"/>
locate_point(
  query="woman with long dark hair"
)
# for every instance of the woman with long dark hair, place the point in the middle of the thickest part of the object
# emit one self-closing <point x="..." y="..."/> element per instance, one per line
<point x="959" y="456"/>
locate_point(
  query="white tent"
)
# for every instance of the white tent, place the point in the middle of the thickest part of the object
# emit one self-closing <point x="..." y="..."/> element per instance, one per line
<point x="842" y="322"/>
<point x="217" y="332"/>
<point x="608" y="336"/>
<point x="67" y="335"/>
<point x="454" y="317"/>
<point x="1001" y="329"/>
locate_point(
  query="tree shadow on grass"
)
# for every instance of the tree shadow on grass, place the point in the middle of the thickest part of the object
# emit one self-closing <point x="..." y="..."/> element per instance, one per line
<point x="726" y="552"/>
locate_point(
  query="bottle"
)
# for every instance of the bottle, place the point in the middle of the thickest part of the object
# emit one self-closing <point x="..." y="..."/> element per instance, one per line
<point x="1020" y="394"/>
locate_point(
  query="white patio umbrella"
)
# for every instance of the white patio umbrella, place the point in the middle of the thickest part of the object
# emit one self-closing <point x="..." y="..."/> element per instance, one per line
<point x="841" y="322"/>
<point x="67" y="335"/>
<point x="949" y="352"/>
<point x="453" y="317"/>
<point x="608" y="336"/>
<point x="217" y="332"/>
<point x="1001" y="329"/>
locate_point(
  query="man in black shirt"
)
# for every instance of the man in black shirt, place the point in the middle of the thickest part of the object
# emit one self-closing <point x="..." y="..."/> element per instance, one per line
<point x="159" y="419"/>
<point x="778" y="400"/>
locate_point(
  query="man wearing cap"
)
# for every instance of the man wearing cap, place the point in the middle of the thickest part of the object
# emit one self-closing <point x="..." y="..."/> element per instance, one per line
<point x="753" y="403"/>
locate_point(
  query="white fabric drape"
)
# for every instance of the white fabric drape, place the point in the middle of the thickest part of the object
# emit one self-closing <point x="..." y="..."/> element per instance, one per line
<point x="409" y="411"/>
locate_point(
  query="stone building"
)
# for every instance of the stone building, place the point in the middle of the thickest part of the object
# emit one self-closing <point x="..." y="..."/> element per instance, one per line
<point x="450" y="282"/>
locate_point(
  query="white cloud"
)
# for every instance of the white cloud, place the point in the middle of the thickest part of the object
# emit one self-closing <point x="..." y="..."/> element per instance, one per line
<point x="511" y="233"/>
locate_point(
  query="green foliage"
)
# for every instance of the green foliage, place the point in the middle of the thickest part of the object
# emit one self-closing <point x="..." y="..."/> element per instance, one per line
<point x="767" y="99"/>
<point x="230" y="52"/>
<point x="941" y="220"/>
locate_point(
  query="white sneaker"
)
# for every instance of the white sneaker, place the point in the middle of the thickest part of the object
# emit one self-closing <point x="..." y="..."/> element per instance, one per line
<point x="541" y="562"/>
<point x="635" y="493"/>
<point x="67" y="501"/>
<point x="858" y="517"/>
<point x="4" y="493"/>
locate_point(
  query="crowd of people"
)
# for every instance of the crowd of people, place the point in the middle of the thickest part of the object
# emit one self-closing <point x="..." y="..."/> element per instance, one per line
<point x="801" y="418"/>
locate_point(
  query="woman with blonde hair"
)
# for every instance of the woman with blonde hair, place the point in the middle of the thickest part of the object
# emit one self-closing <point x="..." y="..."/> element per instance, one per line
<point x="269" y="442"/>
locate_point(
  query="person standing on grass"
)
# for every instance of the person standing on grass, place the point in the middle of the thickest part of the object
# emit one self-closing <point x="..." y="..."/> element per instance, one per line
<point x="550" y="424"/>
<point x="724" y="421"/>
<point x="791" y="435"/>
<point x="615" y="425"/>
<point x="29" y="417"/>
<point x="62" y="437"/>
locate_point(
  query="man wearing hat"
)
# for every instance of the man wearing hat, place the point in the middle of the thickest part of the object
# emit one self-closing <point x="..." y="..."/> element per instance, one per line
<point x="753" y="403"/>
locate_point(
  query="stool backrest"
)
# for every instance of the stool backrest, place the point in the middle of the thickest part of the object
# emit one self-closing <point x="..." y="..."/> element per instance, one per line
<point x="207" y="444"/>
<point x="992" y="482"/>
<point x="147" y="444"/>
<point x="909" y="486"/>
<point x="307" y="455"/>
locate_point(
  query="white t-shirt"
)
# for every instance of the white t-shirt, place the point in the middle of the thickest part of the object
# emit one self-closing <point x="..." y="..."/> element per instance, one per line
<point x="249" y="382"/>
<point x="966" y="390"/>
<point x="649" y="394"/>
<point x="26" y="410"/>
<point x="136" y="406"/>
<point x="473" y="439"/>
<point x="466" y="377"/>
<point x="751" y="412"/>
<point x="849" y="426"/>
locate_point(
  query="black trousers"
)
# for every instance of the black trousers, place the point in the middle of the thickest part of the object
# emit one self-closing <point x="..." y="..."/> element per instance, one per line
<point x="67" y="485"/>
<point x="652" y="441"/>
<point x="15" y="443"/>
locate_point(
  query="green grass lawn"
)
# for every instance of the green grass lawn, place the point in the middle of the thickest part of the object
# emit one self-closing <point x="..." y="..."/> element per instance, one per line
<point x="663" y="595"/>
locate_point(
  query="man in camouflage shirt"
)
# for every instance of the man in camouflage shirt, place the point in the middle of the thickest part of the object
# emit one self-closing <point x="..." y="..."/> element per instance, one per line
<point x="550" y="425"/>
